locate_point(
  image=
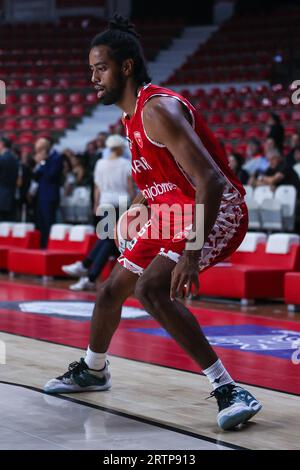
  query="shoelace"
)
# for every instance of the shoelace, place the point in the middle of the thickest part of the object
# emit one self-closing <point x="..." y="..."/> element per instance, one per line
<point x="228" y="396"/>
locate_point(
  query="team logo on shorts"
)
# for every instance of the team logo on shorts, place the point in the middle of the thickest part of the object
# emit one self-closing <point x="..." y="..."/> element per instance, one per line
<point x="138" y="138"/>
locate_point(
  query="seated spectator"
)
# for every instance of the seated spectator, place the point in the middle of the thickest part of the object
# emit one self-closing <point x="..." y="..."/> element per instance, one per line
<point x="255" y="160"/>
<point x="90" y="268"/>
<point x="236" y="162"/>
<point x="277" y="173"/>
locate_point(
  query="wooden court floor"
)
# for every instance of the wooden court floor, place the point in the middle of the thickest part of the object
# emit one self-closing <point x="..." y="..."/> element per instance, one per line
<point x="164" y="396"/>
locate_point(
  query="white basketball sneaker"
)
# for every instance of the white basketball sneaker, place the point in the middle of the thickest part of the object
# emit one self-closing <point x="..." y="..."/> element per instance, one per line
<point x="83" y="284"/>
<point x="76" y="269"/>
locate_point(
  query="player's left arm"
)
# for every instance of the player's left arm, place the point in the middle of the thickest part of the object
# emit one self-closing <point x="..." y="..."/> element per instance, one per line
<point x="166" y="122"/>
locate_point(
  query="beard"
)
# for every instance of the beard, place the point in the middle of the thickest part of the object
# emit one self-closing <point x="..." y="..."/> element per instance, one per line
<point x="114" y="94"/>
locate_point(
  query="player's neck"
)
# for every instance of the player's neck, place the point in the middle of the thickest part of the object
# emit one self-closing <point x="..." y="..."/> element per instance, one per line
<point x="129" y="99"/>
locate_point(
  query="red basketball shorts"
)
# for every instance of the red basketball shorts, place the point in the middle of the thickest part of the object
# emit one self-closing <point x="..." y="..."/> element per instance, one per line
<point x="226" y="236"/>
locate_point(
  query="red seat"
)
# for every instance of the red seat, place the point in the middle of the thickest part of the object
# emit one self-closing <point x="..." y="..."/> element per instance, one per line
<point x="236" y="133"/>
<point x="241" y="148"/>
<point x="60" y="98"/>
<point x="60" y="124"/>
<point x="91" y="98"/>
<point x="43" y="98"/>
<point x="47" y="83"/>
<point x="220" y="133"/>
<point x="77" y="110"/>
<point x="290" y="130"/>
<point x="10" y="125"/>
<point x="230" y="118"/>
<point x="60" y="110"/>
<point x="296" y="115"/>
<point x="30" y="240"/>
<point x="27" y="98"/>
<point x="11" y="98"/>
<point x="44" y="110"/>
<point x="48" y="262"/>
<point x="10" y="111"/>
<point x="26" y="110"/>
<point x="43" y="124"/>
<point x="262" y="116"/>
<point x="247" y="117"/>
<point x="251" y="275"/>
<point x="31" y="83"/>
<point x="234" y="103"/>
<point x="214" y="118"/>
<point x="63" y="82"/>
<point x="254" y="132"/>
<point x="26" y="138"/>
<point x="76" y="98"/>
<point x="27" y="124"/>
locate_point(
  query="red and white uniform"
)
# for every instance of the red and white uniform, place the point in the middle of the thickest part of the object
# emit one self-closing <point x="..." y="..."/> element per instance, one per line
<point x="162" y="181"/>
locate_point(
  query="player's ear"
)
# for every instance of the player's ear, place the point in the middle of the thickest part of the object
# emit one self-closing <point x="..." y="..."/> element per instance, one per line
<point x="127" y="67"/>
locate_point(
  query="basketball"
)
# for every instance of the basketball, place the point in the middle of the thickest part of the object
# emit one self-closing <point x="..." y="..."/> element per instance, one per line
<point x="129" y="224"/>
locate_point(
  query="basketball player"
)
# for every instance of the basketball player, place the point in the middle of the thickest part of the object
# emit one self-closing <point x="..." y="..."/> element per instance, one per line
<point x="175" y="160"/>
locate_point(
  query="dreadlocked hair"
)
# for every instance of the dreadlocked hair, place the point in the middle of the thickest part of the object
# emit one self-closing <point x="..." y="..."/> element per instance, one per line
<point x="123" y="41"/>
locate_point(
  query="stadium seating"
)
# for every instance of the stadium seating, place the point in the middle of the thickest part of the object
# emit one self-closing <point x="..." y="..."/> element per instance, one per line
<point x="242" y="49"/>
<point x="66" y="245"/>
<point x="256" y="270"/>
<point x="47" y="66"/>
<point x="272" y="210"/>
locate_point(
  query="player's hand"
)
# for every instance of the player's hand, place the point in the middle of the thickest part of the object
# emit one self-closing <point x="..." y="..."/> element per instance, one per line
<point x="185" y="278"/>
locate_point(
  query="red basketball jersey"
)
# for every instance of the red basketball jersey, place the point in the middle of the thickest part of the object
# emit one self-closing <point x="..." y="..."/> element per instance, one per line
<point x="156" y="172"/>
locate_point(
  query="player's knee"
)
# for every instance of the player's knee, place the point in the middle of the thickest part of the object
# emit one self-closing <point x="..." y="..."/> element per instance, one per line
<point x="146" y="290"/>
<point x="105" y="296"/>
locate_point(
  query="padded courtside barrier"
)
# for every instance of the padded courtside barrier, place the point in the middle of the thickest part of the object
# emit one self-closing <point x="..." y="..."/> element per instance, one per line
<point x="61" y="250"/>
<point x="254" y="274"/>
<point x="292" y="290"/>
<point x="16" y="235"/>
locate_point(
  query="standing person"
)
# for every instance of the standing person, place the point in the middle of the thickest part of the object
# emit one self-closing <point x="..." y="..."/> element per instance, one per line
<point x="275" y="130"/>
<point x="112" y="178"/>
<point x="9" y="168"/>
<point x="175" y="160"/>
<point x="47" y="173"/>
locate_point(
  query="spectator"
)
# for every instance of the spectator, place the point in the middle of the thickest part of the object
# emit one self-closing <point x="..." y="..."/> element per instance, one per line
<point x="255" y="160"/>
<point x="236" y="162"/>
<point x="112" y="179"/>
<point x="90" y="268"/>
<point x="9" y="168"/>
<point x="277" y="173"/>
<point x="112" y="176"/>
<point x="296" y="167"/>
<point x="47" y="173"/>
<point x="294" y="144"/>
<point x="100" y="143"/>
<point x="23" y="184"/>
<point x="275" y="130"/>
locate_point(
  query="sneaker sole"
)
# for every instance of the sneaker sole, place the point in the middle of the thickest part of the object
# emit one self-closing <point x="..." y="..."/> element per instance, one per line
<point x="254" y="412"/>
<point x="227" y="422"/>
<point x="238" y="416"/>
<point x="78" y="389"/>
